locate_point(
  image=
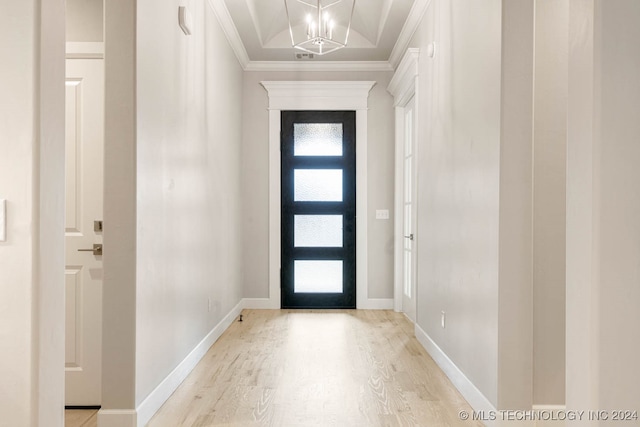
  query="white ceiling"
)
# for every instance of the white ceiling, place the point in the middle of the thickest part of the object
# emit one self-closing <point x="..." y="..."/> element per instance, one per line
<point x="263" y="29"/>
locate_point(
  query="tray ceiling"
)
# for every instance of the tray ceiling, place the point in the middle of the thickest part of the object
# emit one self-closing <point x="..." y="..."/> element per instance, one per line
<point x="264" y="32"/>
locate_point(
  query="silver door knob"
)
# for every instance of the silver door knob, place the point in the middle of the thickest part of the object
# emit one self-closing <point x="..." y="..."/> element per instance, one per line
<point x="410" y="236"/>
<point x="97" y="249"/>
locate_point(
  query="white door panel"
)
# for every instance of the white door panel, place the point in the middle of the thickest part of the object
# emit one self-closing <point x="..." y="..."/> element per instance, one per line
<point x="84" y="193"/>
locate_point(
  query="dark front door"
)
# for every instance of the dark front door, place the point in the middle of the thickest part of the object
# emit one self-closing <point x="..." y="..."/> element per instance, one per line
<point x="318" y="209"/>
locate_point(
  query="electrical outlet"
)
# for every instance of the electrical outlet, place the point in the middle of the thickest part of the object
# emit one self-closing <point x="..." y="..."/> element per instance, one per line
<point x="442" y="318"/>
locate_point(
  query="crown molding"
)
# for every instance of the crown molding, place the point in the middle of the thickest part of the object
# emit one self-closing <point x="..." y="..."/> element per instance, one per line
<point x="318" y="95"/>
<point x="230" y="31"/>
<point x="411" y="24"/>
<point x="318" y="66"/>
<point x="402" y="84"/>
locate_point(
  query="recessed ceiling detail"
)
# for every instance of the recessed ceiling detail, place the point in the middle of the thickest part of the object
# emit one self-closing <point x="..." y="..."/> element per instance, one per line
<point x="264" y="29"/>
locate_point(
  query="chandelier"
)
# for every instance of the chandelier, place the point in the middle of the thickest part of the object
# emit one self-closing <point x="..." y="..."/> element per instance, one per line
<point x="318" y="33"/>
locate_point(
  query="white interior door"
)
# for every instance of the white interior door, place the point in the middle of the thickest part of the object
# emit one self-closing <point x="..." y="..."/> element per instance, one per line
<point x="409" y="214"/>
<point x="84" y="193"/>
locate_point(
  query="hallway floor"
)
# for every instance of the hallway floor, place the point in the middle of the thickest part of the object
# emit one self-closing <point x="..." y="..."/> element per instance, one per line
<point x="81" y="418"/>
<point x="287" y="368"/>
<point x="315" y="368"/>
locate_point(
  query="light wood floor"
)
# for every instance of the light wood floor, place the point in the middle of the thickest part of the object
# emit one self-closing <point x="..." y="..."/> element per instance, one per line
<point x="81" y="418"/>
<point x="287" y="368"/>
<point x="316" y="368"/>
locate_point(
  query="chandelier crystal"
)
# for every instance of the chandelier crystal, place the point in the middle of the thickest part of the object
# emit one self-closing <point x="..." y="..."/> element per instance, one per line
<point x="317" y="32"/>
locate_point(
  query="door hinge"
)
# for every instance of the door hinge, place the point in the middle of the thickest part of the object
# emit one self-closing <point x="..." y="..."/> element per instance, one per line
<point x="281" y="278"/>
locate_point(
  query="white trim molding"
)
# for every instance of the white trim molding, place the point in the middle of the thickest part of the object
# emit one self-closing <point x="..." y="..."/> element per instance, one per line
<point x="403" y="83"/>
<point x="410" y="26"/>
<point x="117" y="418"/>
<point x="403" y="86"/>
<point x="230" y="31"/>
<point x="318" y="95"/>
<point x="165" y="389"/>
<point x="469" y="391"/>
<point x="361" y="66"/>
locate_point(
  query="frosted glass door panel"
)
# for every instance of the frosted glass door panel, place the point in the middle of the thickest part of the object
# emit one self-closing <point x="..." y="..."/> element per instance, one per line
<point x="317" y="231"/>
<point x="317" y="139"/>
<point x="317" y="185"/>
<point x="318" y="209"/>
<point x="317" y="276"/>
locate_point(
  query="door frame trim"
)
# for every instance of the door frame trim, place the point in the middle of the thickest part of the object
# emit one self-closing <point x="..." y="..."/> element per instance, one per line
<point x="319" y="96"/>
<point x="403" y="87"/>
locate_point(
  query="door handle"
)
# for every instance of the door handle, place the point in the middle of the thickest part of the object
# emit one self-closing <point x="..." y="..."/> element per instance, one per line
<point x="410" y="236"/>
<point x="97" y="249"/>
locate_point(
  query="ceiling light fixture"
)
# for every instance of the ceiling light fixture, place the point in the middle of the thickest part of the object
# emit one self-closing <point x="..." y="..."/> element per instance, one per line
<point x="318" y="32"/>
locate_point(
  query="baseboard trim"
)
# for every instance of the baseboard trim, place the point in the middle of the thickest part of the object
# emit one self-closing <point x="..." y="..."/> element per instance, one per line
<point x="261" y="304"/>
<point x="117" y="418"/>
<point x="270" y="304"/>
<point x="165" y="389"/>
<point x="474" y="397"/>
<point x="377" y="304"/>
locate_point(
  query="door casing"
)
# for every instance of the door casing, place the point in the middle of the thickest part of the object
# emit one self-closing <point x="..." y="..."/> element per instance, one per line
<point x="404" y="86"/>
<point x="319" y="96"/>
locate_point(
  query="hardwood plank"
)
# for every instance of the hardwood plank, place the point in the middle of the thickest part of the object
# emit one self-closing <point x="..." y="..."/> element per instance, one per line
<point x="316" y="368"/>
<point x="80" y="418"/>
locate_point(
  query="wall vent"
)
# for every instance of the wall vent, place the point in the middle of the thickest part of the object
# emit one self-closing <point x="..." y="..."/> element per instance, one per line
<point x="303" y="56"/>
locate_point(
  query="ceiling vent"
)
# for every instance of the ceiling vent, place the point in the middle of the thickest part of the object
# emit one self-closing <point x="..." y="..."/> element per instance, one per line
<point x="304" y="56"/>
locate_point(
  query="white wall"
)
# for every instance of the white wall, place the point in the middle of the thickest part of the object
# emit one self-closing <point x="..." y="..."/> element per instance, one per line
<point x="475" y="192"/>
<point x="32" y="181"/>
<point x="494" y="303"/>
<point x="603" y="247"/>
<point x="550" y="145"/>
<point x="617" y="202"/>
<point x="255" y="178"/>
<point x="17" y="170"/>
<point x="189" y="100"/>
<point x="458" y="199"/>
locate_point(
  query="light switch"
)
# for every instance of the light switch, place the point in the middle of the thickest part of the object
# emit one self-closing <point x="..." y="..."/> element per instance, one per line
<point x="3" y="220"/>
<point x="382" y="214"/>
